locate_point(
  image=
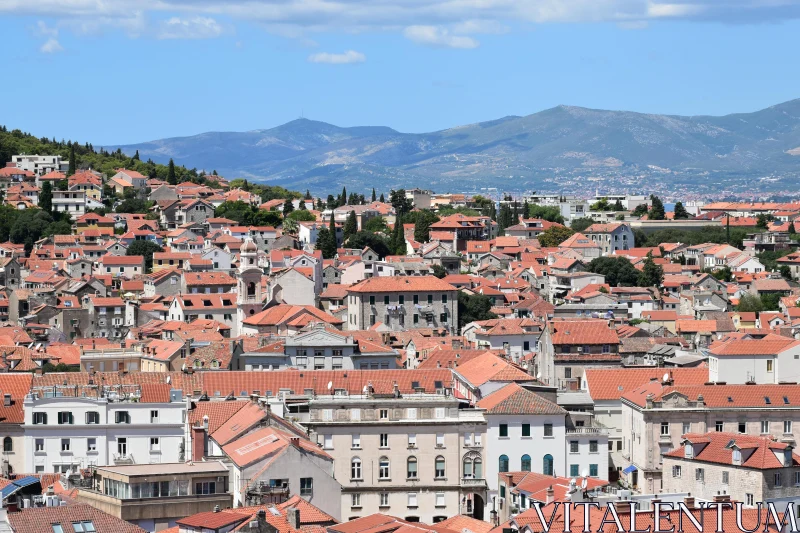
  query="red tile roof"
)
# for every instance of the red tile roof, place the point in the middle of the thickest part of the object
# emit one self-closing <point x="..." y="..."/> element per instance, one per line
<point x="583" y="332"/>
<point x="402" y="284"/>
<point x="41" y="519"/>
<point x="514" y="400"/>
<point x="612" y="383"/>
<point x="717" y="447"/>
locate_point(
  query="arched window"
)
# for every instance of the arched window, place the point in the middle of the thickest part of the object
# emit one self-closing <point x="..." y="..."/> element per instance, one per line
<point x="439" y="472"/>
<point x="8" y="445"/>
<point x="411" y="467"/>
<point x="251" y="289"/>
<point x="503" y="466"/>
<point x="355" y="468"/>
<point x="526" y="463"/>
<point x="467" y="468"/>
<point x="477" y="468"/>
<point x="547" y="465"/>
<point x="383" y="468"/>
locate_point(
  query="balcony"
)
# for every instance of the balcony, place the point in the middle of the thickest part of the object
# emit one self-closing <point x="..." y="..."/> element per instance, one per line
<point x="473" y="483"/>
<point x="587" y="430"/>
<point x="123" y="459"/>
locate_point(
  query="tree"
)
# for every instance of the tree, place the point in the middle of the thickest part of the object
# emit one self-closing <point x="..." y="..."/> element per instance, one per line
<point x="786" y="272"/>
<point x="326" y="243"/>
<point x="172" y="179"/>
<point x="438" y="271"/>
<point x="398" y="241"/>
<point x="554" y="235"/>
<point x="401" y="204"/>
<point x="46" y="197"/>
<point x="376" y="243"/>
<point x="580" y="224"/>
<point x="376" y="225"/>
<point x="505" y="217"/>
<point x="332" y="229"/>
<point x="422" y="224"/>
<point x="618" y="206"/>
<point x="146" y="249"/>
<point x="617" y="270"/>
<point x="762" y="221"/>
<point x="382" y="199"/>
<point x="680" y="212"/>
<point x="290" y="225"/>
<point x="288" y="206"/>
<point x="640" y="210"/>
<point x="308" y="195"/>
<point x="656" y="209"/>
<point x="351" y="225"/>
<point x="472" y="308"/>
<point x="301" y="216"/>
<point x="73" y="163"/>
<point x="652" y="275"/>
<point x="549" y="213"/>
<point x="343" y="197"/>
<point x="373" y="194"/>
<point x="750" y="303"/>
<point x="302" y="205"/>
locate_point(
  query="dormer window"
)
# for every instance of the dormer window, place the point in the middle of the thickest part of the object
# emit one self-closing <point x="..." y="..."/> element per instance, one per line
<point x="688" y="451"/>
<point x="737" y="457"/>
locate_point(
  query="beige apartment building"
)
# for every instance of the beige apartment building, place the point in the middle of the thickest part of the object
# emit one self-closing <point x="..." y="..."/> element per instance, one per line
<point x="403" y="303"/>
<point x="657" y="415"/>
<point x="415" y="456"/>
<point x="744" y="468"/>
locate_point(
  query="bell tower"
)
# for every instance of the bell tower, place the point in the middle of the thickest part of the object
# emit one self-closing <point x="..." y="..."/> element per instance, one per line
<point x="248" y="300"/>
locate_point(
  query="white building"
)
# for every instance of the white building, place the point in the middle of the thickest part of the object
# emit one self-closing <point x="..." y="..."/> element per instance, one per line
<point x="770" y="360"/>
<point x="40" y="164"/>
<point x="75" y="426"/>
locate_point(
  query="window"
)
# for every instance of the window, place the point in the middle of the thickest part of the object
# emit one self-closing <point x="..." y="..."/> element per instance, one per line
<point x="371" y="300"/>
<point x="725" y="478"/>
<point x="742" y="427"/>
<point x="384" y="499"/>
<point x="384" y="440"/>
<point x="700" y="475"/>
<point x="92" y="417"/>
<point x="91" y="444"/>
<point x="777" y="479"/>
<point x="122" y="446"/>
<point x="797" y="479"/>
<point x="412" y="499"/>
<point x="411" y="413"/>
<point x="327" y="442"/>
<point x="306" y="486"/>
<point x="65" y="446"/>
<point x="769" y="365"/>
<point x="443" y="317"/>
<point x="440" y="440"/>
<point x="154" y="417"/>
<point x="430" y="299"/>
<point x="383" y="468"/>
<point x="355" y="468"/>
<point x="765" y="426"/>
<point x="39" y="445"/>
<point x="356" y="441"/>
<point x="525" y="463"/>
<point x="444" y="298"/>
<point x="574" y="470"/>
<point x="503" y="464"/>
<point x="548" y="430"/>
<point x="503" y="430"/>
<point x="592" y="446"/>
<point x="8" y="444"/>
<point x="401" y="299"/>
<point x="676" y="471"/>
<point x="384" y="414"/>
<point x="573" y="446"/>
<point x="411" y="468"/>
<point x="665" y="428"/>
<point x="412" y="440"/>
<point x="355" y="500"/>
<point x="386" y="299"/>
<point x="327" y="415"/>
<point x="65" y="417"/>
<point x="155" y="444"/>
<point x="87" y="526"/>
<point x="122" y="417"/>
<point x="787" y="426"/>
<point x="718" y="426"/>
<point x="526" y="430"/>
<point x="440" y="499"/>
<point x="748" y="499"/>
<point x="592" y="470"/>
<point x="439" y="467"/>
<point x="439" y="412"/>
<point x="57" y="528"/>
<point x="355" y="415"/>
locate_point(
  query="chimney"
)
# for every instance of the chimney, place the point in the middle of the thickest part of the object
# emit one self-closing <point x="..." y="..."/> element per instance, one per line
<point x="688" y="501"/>
<point x="550" y="495"/>
<point x="622" y="506"/>
<point x="295" y="442"/>
<point x="216" y="508"/>
<point x="293" y="517"/>
<point x="722" y="497"/>
<point x="198" y="443"/>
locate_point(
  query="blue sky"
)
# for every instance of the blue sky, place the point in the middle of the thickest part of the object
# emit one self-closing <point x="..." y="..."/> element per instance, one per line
<point x="125" y="71"/>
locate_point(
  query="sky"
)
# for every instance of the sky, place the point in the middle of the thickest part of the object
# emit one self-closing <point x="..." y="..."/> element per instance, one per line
<point x="127" y="71"/>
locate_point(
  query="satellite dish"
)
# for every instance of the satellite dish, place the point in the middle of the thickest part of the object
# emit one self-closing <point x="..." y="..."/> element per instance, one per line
<point x="539" y="375"/>
<point x="584" y="483"/>
<point x="330" y="384"/>
<point x="169" y="379"/>
<point x="666" y="377"/>
<point x="584" y="474"/>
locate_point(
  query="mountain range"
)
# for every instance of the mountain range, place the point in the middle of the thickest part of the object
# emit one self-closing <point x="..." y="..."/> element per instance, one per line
<point x="513" y="151"/>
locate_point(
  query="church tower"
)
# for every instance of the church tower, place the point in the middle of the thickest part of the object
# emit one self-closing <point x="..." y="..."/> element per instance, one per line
<point x="248" y="300"/>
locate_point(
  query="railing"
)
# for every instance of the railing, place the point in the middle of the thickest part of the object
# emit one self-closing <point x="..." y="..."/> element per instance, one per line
<point x="473" y="482"/>
<point x="124" y="459"/>
<point x="587" y="430"/>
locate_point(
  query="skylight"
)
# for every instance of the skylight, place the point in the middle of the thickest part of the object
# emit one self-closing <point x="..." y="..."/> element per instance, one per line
<point x="766" y="400"/>
<point x="786" y="400"/>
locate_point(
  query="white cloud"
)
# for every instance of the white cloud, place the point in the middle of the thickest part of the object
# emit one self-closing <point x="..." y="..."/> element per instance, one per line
<point x="349" y="57"/>
<point x="51" y="46"/>
<point x="191" y="28"/>
<point x="438" y="36"/>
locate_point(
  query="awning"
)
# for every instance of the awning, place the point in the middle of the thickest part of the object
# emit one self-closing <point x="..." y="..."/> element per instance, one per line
<point x="629" y="470"/>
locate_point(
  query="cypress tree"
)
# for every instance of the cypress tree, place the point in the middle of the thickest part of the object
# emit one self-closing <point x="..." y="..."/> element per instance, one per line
<point x="72" y="162"/>
<point x="288" y="207"/>
<point x="136" y="156"/>
<point x="46" y="197"/>
<point x="373" y="194"/>
<point x="172" y="179"/>
<point x="351" y="226"/>
<point x="383" y="199"/>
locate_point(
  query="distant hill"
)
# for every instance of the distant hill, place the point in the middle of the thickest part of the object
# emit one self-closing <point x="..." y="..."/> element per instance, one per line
<point x="518" y="151"/>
